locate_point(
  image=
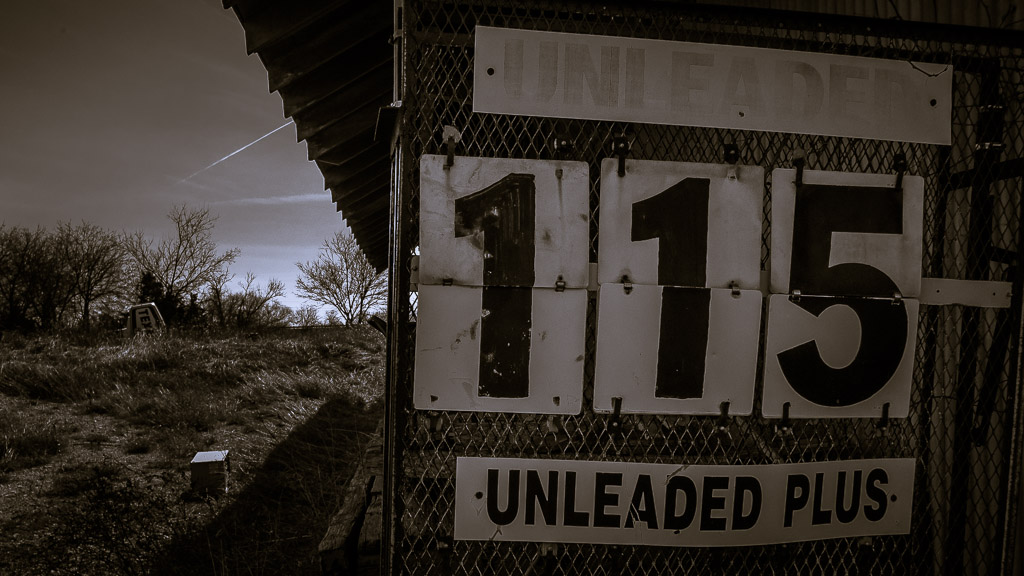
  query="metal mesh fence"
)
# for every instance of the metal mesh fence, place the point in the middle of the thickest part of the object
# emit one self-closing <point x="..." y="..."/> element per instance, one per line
<point x="965" y="423"/>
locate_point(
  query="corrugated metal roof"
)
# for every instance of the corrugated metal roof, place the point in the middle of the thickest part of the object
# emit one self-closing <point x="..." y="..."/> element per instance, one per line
<point x="984" y="13"/>
<point x="333" y="64"/>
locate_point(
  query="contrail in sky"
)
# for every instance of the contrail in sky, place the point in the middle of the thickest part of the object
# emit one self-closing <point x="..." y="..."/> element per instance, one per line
<point x="279" y="128"/>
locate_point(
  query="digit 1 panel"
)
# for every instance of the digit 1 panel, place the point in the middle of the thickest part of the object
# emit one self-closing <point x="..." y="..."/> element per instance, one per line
<point x="839" y="357"/>
<point x="846" y="234"/>
<point x="497" y="349"/>
<point x="504" y="222"/>
<point x="676" y="350"/>
<point x="681" y="224"/>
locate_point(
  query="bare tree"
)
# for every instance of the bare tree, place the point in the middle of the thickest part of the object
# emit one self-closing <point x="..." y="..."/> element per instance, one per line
<point x="252" y="306"/>
<point x="186" y="262"/>
<point x="331" y="318"/>
<point x="249" y="306"/>
<point x="34" y="289"/>
<point x="275" y="314"/>
<point x="217" y="294"/>
<point x="307" y="315"/>
<point x="343" y="278"/>
<point x="94" y="261"/>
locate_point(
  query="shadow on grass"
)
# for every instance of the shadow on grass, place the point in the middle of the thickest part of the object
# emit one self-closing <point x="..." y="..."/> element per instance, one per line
<point x="276" y="523"/>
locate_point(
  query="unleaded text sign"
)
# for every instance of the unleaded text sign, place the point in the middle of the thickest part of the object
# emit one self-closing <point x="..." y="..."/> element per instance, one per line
<point x="524" y="500"/>
<point x="531" y="73"/>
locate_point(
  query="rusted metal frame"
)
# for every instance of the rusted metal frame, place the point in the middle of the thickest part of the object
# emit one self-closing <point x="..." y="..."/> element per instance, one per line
<point x="1014" y="454"/>
<point x="931" y="349"/>
<point x="401" y="335"/>
<point x="980" y="242"/>
<point x="1013" y="497"/>
<point x="601" y="14"/>
<point x="1013" y="168"/>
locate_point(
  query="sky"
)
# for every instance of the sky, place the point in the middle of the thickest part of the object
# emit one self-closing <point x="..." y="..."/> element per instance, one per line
<point x="114" y="111"/>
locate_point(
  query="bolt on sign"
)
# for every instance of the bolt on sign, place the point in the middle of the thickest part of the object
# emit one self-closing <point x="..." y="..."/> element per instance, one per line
<point x="530" y="500"/>
<point x="503" y="277"/>
<point x="553" y="74"/>
<point x="845" y="278"/>
<point x="679" y="266"/>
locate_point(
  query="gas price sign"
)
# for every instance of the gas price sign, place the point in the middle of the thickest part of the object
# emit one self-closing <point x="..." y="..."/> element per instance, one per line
<point x="523" y="500"/>
<point x="503" y="276"/>
<point x="679" y="265"/>
<point x="846" y="274"/>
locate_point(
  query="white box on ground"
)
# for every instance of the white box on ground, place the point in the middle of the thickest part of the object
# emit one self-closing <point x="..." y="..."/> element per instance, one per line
<point x="209" y="471"/>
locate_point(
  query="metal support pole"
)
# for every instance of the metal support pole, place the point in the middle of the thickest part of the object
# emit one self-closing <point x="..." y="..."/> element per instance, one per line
<point x="987" y="153"/>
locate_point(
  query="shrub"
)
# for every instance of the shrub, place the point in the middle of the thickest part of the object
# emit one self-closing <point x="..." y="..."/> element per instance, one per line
<point x="25" y="442"/>
<point x="112" y="523"/>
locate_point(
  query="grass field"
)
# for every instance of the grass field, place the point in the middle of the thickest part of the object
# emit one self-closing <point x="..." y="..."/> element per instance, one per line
<point x="96" y="436"/>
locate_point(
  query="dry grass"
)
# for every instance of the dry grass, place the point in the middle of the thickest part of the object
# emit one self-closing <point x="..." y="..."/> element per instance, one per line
<point x="96" y="436"/>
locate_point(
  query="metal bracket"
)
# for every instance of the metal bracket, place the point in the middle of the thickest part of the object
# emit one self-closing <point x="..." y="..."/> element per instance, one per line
<point x="414" y="274"/>
<point x="899" y="164"/>
<point x="627" y="285"/>
<point x="794" y="296"/>
<point x="897" y="299"/>
<point x="731" y="153"/>
<point x="560" y="284"/>
<point x="883" y="424"/>
<point x="451" y="136"/>
<point x="785" y="426"/>
<point x="620" y="148"/>
<point x="615" y="422"/>
<point x="735" y="288"/>
<point x="799" y="159"/>
<point x="435" y="428"/>
<point x="722" y="426"/>
<point x="549" y="555"/>
<point x="562" y="145"/>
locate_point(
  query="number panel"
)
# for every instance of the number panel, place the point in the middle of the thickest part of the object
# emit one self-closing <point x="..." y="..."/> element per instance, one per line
<point x="449" y="340"/>
<point x="639" y="211"/>
<point x="897" y="255"/>
<point x="629" y="341"/>
<point x="838" y="340"/>
<point x="454" y="243"/>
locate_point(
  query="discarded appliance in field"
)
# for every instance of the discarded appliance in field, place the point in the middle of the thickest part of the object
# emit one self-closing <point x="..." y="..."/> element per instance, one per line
<point x="209" y="471"/>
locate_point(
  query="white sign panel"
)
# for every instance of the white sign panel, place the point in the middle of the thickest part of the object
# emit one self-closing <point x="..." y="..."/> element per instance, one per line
<point x="500" y="349"/>
<point x="834" y="357"/>
<point x="501" y="222"/>
<point x="669" y="350"/>
<point x="521" y="500"/>
<point x="846" y="234"/>
<point x="681" y="224"/>
<point x="562" y="75"/>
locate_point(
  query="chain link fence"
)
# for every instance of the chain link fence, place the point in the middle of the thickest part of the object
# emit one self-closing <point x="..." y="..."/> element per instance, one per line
<point x="964" y="427"/>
